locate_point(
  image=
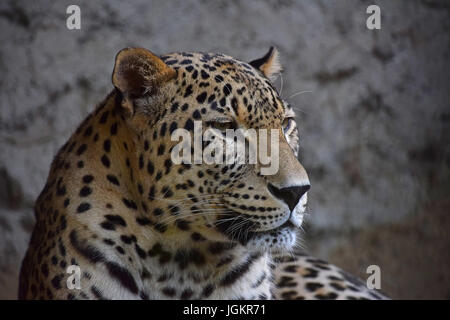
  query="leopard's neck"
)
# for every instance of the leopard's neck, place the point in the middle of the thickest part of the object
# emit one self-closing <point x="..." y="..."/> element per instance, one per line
<point x="191" y="274"/>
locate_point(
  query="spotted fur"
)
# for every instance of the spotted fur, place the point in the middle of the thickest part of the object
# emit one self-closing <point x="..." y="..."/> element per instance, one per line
<point x="141" y="227"/>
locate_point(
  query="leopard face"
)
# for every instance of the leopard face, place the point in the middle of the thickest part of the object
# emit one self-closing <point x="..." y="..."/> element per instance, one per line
<point x="224" y="202"/>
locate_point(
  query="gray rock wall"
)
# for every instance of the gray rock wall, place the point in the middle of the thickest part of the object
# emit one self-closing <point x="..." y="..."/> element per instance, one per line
<point x="372" y="106"/>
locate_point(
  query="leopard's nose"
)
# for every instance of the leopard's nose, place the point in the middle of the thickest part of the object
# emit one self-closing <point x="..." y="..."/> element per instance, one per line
<point x="290" y="195"/>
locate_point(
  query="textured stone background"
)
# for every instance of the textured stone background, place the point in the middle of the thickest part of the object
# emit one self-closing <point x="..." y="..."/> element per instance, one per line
<point x="374" y="114"/>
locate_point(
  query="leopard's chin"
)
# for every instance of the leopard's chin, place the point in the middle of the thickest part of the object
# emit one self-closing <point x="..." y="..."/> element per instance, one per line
<point x="281" y="239"/>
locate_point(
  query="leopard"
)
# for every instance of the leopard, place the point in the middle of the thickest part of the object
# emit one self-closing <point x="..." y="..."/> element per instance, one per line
<point x="136" y="224"/>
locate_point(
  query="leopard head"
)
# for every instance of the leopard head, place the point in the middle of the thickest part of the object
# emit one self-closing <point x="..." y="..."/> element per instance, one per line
<point x="182" y="106"/>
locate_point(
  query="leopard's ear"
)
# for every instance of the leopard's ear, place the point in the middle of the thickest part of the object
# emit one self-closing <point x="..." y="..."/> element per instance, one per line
<point x="269" y="65"/>
<point x="138" y="72"/>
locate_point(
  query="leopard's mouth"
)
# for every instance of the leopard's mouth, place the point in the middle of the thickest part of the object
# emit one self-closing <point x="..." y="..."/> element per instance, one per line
<point x="240" y="229"/>
<point x="287" y="226"/>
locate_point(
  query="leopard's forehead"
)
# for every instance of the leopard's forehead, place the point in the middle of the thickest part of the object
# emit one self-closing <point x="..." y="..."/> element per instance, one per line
<point x="223" y="82"/>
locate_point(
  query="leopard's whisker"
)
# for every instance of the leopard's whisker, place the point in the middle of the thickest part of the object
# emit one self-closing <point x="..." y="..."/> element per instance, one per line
<point x="299" y="93"/>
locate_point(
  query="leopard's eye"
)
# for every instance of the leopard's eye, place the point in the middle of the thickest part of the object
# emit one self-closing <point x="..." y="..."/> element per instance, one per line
<point x="288" y="124"/>
<point x="222" y="125"/>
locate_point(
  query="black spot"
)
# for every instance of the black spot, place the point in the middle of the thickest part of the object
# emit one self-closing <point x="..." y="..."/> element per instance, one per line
<point x="237" y="272"/>
<point x="116" y="219"/>
<point x="223" y="102"/>
<point x="127" y="239"/>
<point x="328" y="296"/>
<point x="260" y="280"/>
<point x="186" y="294"/>
<point x="60" y="190"/>
<point x="145" y="274"/>
<point x="170" y="292"/>
<point x="188" y="91"/>
<point x="313" y="286"/>
<point x="234" y="105"/>
<point x="291" y="268"/>
<point x="150" y="167"/>
<point x="56" y="281"/>
<point x="218" y="247"/>
<point x="105" y="161"/>
<point x="182" y="224"/>
<point x="88" y="251"/>
<point x="311" y="273"/>
<point x="120" y="250"/>
<point x="163" y="129"/>
<point x="140" y="251"/>
<point x="107" y="225"/>
<point x="174" y="107"/>
<point x="88" y="178"/>
<point x="337" y="286"/>
<point x="189" y="125"/>
<point x="129" y="203"/>
<point x="197" y="236"/>
<point x="167" y="192"/>
<point x="122" y="275"/>
<point x="208" y="290"/>
<point x="88" y="131"/>
<point x="97" y="293"/>
<point x="197" y="257"/>
<point x="202" y="97"/>
<point x="63" y="224"/>
<point x="286" y="282"/>
<point x="204" y="74"/>
<point x="113" y="179"/>
<point x="161" y="149"/>
<point x="227" y="89"/>
<point x="160" y="227"/>
<point x="167" y="165"/>
<point x="196" y="115"/>
<point x="109" y="242"/>
<point x="143" y="221"/>
<point x="151" y="193"/>
<point x="66" y="202"/>
<point x="104" y="117"/>
<point x="83" y="207"/>
<point x="173" y="127"/>
<point x="62" y="248"/>
<point x="289" y="295"/>
<point x="81" y="149"/>
<point x="85" y="191"/>
<point x="114" y="129"/>
<point x="107" y="145"/>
